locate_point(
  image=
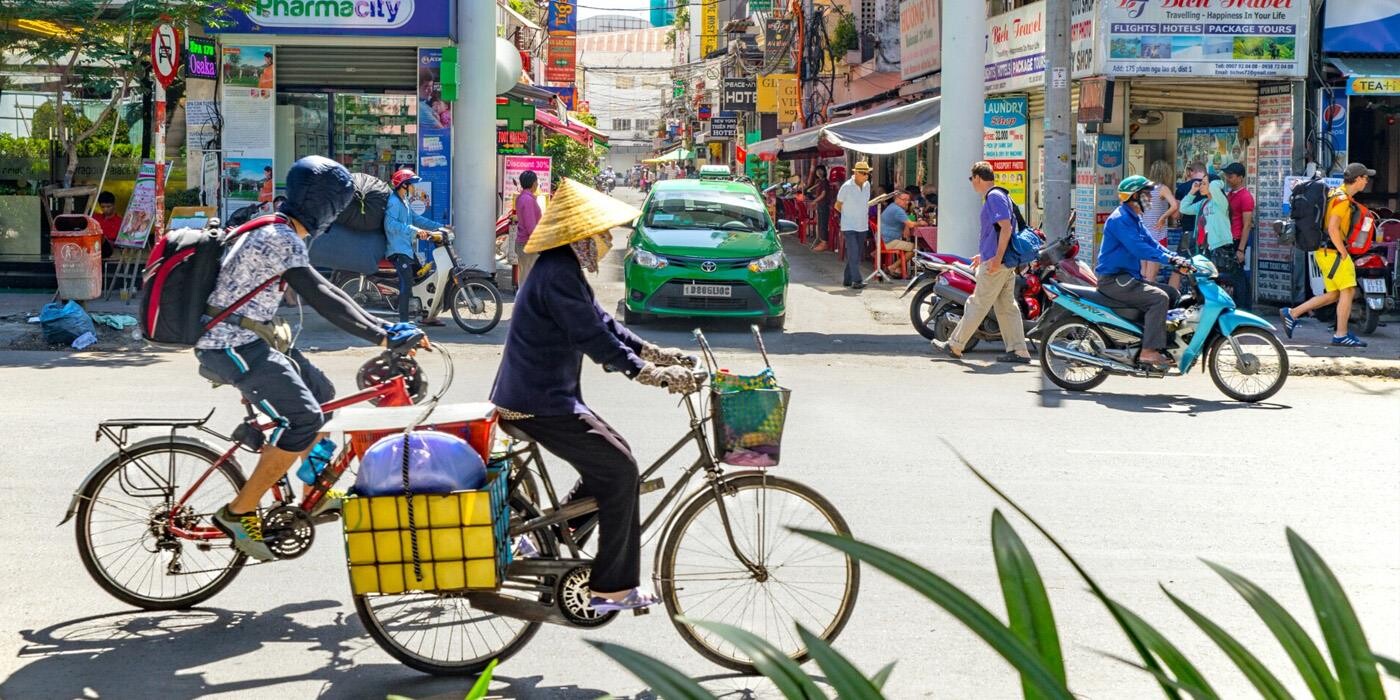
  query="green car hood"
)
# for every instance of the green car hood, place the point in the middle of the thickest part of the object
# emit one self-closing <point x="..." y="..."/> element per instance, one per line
<point x="708" y="242"/>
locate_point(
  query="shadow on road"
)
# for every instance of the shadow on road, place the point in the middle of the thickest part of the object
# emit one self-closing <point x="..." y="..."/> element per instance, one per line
<point x="1155" y="403"/>
<point x="65" y="359"/>
<point x="164" y="654"/>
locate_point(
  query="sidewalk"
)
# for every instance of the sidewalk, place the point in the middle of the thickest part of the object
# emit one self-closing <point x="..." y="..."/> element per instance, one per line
<point x="1310" y="352"/>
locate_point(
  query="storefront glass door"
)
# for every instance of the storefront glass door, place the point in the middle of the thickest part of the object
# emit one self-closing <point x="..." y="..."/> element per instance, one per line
<point x="376" y="134"/>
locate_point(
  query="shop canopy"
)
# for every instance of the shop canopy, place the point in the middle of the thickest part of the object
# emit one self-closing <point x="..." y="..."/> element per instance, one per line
<point x="767" y="149"/>
<point x="887" y="131"/>
<point x="573" y="131"/>
<point x="1367" y="67"/>
<point x="678" y="154"/>
<point x="806" y="143"/>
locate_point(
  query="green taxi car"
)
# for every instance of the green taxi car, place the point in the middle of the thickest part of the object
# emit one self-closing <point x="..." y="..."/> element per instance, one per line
<point x="706" y="248"/>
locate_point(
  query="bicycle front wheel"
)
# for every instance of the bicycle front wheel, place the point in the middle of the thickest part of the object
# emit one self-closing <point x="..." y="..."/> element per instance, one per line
<point x="795" y="580"/>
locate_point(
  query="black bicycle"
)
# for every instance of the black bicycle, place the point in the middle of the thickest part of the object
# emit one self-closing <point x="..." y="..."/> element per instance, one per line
<point x="725" y="553"/>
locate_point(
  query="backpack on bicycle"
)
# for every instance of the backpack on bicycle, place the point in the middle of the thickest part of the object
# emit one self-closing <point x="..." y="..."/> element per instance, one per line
<point x="179" y="277"/>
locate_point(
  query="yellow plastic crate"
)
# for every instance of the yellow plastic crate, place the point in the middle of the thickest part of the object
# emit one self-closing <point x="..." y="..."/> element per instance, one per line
<point x="456" y="543"/>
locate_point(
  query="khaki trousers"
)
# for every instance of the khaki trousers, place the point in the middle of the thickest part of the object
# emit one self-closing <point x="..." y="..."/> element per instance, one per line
<point x="996" y="291"/>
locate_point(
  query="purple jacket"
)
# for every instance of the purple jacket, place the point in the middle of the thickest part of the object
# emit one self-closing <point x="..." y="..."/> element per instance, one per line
<point x="527" y="216"/>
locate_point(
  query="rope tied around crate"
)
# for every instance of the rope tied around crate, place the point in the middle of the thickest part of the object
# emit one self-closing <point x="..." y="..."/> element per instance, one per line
<point x="412" y="522"/>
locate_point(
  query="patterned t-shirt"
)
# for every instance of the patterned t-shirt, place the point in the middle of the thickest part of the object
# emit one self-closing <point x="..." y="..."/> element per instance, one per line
<point x="256" y="256"/>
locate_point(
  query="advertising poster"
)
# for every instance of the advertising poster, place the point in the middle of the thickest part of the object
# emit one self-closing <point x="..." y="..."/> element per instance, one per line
<point x="513" y="166"/>
<point x="249" y="111"/>
<point x="565" y="93"/>
<point x="434" y="138"/>
<point x="1237" y="40"/>
<point x="561" y="24"/>
<point x="1005" y="125"/>
<point x="1109" y="160"/>
<point x="1086" y="195"/>
<point x="1014" y="58"/>
<point x="920" y="44"/>
<point x="709" y="27"/>
<point x="1362" y="26"/>
<point x="1216" y="146"/>
<point x="1333" y="123"/>
<point x="140" y="209"/>
<point x="1274" y="164"/>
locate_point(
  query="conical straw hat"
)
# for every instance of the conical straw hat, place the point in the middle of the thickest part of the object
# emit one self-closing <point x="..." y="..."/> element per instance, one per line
<point x="577" y="211"/>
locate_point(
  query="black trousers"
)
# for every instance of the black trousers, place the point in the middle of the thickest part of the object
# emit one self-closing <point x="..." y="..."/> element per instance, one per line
<point x="405" y="266"/>
<point x="1154" y="299"/>
<point x="610" y="474"/>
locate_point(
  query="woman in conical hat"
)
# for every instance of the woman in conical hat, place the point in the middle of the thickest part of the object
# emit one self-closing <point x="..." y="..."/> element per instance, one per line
<point x="555" y="322"/>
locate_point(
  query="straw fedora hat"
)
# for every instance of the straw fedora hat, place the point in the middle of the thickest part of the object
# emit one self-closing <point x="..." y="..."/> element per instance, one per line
<point x="577" y="211"/>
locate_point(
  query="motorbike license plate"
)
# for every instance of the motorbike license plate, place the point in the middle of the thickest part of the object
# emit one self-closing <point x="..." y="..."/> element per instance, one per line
<point x="707" y="290"/>
<point x="1373" y="286"/>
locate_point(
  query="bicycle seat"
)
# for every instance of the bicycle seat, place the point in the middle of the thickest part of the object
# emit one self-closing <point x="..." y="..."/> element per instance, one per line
<point x="348" y="420"/>
<point x="1131" y="314"/>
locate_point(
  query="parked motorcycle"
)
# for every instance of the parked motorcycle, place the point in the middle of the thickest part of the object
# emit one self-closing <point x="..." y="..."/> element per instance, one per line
<point x="1373" y="275"/>
<point x="944" y="283"/>
<point x="1086" y="336"/>
<point x="443" y="284"/>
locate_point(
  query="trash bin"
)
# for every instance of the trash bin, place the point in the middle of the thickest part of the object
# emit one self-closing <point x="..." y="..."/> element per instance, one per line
<point x="76" y="241"/>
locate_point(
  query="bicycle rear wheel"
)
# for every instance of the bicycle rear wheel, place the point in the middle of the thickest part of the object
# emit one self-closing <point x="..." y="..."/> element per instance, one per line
<point x="123" y="525"/>
<point x="800" y="580"/>
<point x="365" y="292"/>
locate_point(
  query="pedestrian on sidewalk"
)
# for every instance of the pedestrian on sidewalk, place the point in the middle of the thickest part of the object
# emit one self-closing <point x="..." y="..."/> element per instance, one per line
<point x="1241" y="229"/>
<point x="1161" y="208"/>
<point x="996" y="283"/>
<point x="527" y="217"/>
<point x="853" y="202"/>
<point x="1338" y="270"/>
<point x="819" y="194"/>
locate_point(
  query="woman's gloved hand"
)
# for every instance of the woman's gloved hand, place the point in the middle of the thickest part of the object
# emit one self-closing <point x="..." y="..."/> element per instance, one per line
<point x="677" y="380"/>
<point x="667" y="357"/>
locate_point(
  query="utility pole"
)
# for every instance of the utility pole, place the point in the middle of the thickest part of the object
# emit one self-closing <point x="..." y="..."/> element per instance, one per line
<point x="474" y="183"/>
<point x="1058" y="181"/>
<point x="960" y="138"/>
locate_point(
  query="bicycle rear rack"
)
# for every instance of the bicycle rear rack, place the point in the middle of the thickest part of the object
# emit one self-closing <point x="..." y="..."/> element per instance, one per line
<point x="117" y="431"/>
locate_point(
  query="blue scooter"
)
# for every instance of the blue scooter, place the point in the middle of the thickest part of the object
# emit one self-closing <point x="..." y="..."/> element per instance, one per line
<point x="1087" y="336"/>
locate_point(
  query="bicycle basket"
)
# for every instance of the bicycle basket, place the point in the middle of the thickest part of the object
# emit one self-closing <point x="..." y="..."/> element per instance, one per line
<point x="749" y="414"/>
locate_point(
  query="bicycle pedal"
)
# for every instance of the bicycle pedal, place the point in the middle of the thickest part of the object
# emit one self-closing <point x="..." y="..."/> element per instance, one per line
<point x="654" y="485"/>
<point x="637" y="612"/>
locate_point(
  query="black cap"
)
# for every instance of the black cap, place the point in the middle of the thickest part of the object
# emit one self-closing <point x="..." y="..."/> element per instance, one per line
<point x="1234" y="169"/>
<point x="1355" y="170"/>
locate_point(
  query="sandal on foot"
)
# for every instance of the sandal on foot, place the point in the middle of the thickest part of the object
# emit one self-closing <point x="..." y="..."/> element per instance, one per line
<point x="635" y="599"/>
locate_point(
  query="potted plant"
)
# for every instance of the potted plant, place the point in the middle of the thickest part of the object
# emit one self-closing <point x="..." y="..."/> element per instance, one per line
<point x="845" y="42"/>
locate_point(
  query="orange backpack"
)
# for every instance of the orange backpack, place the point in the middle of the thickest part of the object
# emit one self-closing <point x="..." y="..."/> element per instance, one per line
<point x="1360" y="231"/>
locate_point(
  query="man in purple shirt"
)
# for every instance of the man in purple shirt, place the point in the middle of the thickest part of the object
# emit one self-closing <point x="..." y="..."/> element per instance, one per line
<point x="527" y="217"/>
<point x="996" y="283"/>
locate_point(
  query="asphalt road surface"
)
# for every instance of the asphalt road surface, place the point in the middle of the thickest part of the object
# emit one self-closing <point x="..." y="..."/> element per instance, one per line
<point x="1140" y="480"/>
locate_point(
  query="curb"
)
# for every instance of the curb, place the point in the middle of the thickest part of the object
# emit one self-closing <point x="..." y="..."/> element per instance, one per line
<point x="1342" y="367"/>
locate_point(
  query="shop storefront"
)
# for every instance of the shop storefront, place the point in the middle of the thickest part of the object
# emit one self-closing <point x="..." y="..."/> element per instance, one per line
<point x="1359" y="105"/>
<point x="361" y="86"/>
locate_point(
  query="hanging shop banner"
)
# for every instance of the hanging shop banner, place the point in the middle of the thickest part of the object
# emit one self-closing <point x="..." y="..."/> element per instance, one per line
<point x="1254" y="39"/>
<point x="426" y="18"/>
<point x="724" y="127"/>
<point x="1333" y="123"/>
<point x="513" y="166"/>
<point x="1005" y="125"/>
<point x="140" y="209"/>
<point x="777" y="93"/>
<point x="709" y="27"/>
<point x="777" y="46"/>
<point x="1369" y="85"/>
<point x="565" y="93"/>
<point x="1014" y="58"/>
<point x="434" y="138"/>
<point x="1274" y="163"/>
<point x="1216" y="146"/>
<point x="512" y="118"/>
<point x="560" y="59"/>
<point x="738" y="94"/>
<point x="561" y="17"/>
<point x="1361" y="26"/>
<point x="920" y="43"/>
<point x="201" y="58"/>
<point x="249" y="105"/>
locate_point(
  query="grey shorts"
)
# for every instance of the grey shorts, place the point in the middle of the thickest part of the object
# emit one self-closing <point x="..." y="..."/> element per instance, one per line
<point x="288" y="388"/>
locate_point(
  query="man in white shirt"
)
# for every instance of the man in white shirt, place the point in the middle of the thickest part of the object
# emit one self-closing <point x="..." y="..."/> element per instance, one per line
<point x="853" y="201"/>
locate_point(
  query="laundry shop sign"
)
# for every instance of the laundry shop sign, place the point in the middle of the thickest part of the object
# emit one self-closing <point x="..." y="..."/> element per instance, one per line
<point x="365" y="17"/>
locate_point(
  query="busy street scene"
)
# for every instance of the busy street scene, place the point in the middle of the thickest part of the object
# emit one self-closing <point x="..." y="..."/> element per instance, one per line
<point x="580" y="349"/>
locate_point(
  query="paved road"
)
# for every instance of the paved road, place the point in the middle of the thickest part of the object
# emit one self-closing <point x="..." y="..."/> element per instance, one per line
<point x="1138" y="479"/>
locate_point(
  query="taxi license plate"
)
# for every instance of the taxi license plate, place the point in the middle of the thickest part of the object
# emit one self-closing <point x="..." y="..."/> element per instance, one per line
<point x="707" y="290"/>
<point x="1373" y="286"/>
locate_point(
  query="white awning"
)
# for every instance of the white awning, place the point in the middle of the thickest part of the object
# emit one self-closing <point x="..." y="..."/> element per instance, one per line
<point x="888" y="131"/>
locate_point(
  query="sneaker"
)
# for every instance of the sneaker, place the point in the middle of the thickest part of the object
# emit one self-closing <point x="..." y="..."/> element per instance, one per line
<point x="331" y="502"/>
<point x="246" y="533"/>
<point x="635" y="599"/>
<point x="858" y="285"/>
<point x="1289" y="323"/>
<point x="1013" y="357"/>
<point x="943" y="347"/>
<point x="1349" y="340"/>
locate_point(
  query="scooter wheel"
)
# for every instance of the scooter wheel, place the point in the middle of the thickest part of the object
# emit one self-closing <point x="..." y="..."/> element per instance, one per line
<point x="1067" y="374"/>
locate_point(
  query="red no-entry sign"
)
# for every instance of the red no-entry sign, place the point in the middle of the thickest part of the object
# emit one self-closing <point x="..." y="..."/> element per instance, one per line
<point x="165" y="53"/>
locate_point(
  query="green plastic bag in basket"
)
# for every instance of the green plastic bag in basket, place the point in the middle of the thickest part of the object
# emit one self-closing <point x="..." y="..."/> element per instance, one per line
<point x="749" y="411"/>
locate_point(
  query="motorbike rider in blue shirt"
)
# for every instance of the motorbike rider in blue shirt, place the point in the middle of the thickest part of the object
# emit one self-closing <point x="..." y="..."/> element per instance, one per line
<point x="1126" y="244"/>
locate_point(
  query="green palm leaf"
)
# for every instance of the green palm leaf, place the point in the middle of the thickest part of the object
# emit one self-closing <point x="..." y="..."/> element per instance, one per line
<point x="960" y="605"/>
<point x="882" y="676"/>
<point x="847" y="680"/>
<point x="1139" y="645"/>
<point x="1265" y="682"/>
<point x="1185" y="673"/>
<point x="1299" y="646"/>
<point x="1027" y="605"/>
<point x="770" y="661"/>
<point x="1391" y="666"/>
<point x="1351" y="655"/>
<point x="1161" y="677"/>
<point x="665" y="680"/>
<point x="483" y="683"/>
